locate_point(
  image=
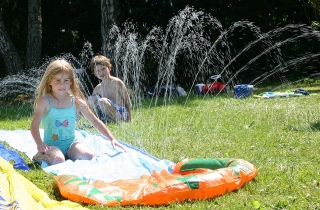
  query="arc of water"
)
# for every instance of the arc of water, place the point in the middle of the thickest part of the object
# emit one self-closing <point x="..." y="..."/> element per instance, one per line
<point x="269" y="34"/>
<point x="223" y="38"/>
<point x="278" y="44"/>
<point x="290" y="63"/>
<point x="178" y="42"/>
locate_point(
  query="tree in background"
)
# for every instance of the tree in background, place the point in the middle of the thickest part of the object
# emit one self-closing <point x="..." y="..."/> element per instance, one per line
<point x="315" y="4"/>
<point x="67" y="25"/>
<point x="8" y="51"/>
<point x="33" y="50"/>
<point x="110" y="11"/>
<point x="12" y="56"/>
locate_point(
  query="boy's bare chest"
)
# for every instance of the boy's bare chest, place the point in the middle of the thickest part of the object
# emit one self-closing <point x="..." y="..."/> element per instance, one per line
<point x="108" y="91"/>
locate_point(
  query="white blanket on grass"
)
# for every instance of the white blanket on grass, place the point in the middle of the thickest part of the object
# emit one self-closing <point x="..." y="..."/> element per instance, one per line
<point x="110" y="163"/>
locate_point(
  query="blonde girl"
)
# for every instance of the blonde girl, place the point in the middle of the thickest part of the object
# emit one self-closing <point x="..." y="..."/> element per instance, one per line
<point x="58" y="101"/>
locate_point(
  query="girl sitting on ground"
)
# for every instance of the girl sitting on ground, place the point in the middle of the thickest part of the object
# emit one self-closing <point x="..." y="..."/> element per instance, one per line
<point x="58" y="101"/>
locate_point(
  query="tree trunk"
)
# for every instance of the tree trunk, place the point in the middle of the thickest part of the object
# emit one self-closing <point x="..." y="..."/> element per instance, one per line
<point x="265" y="29"/>
<point x="8" y="51"/>
<point x="110" y="11"/>
<point x="33" y="51"/>
<point x="265" y="17"/>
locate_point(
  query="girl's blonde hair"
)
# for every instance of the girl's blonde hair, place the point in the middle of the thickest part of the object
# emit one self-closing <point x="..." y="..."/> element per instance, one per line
<point x="54" y="68"/>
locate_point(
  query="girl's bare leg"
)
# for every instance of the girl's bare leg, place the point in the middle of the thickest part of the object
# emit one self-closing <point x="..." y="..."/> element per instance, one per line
<point x="78" y="151"/>
<point x="52" y="156"/>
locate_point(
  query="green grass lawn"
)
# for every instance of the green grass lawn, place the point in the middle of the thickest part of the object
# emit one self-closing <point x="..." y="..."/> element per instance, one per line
<point x="279" y="136"/>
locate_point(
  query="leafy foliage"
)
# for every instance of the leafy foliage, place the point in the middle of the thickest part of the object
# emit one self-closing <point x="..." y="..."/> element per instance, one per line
<point x="67" y="25"/>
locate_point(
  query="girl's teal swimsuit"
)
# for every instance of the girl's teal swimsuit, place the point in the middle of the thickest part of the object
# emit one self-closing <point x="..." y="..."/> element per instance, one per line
<point x="59" y="126"/>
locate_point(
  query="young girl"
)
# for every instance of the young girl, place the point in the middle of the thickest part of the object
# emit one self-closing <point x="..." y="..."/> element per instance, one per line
<point x="58" y="101"/>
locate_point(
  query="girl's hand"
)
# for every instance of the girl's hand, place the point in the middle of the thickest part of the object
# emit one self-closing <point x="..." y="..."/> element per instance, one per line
<point x="42" y="147"/>
<point x="115" y="142"/>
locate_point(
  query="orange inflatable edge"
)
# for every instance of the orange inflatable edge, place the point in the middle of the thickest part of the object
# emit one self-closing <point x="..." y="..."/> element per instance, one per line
<point x="231" y="178"/>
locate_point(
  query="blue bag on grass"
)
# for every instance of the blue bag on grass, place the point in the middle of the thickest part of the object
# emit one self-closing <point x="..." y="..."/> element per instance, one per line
<point x="13" y="156"/>
<point x="302" y="91"/>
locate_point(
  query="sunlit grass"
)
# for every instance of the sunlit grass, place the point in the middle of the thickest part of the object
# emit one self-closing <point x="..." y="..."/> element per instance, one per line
<point x="280" y="136"/>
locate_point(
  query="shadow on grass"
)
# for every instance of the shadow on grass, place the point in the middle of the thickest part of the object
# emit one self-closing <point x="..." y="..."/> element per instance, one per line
<point x="34" y="166"/>
<point x="315" y="126"/>
<point x="22" y="109"/>
<point x="16" y="111"/>
<point x="192" y="100"/>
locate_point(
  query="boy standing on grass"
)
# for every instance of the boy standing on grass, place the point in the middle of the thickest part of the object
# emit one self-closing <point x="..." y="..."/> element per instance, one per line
<point x="110" y="97"/>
